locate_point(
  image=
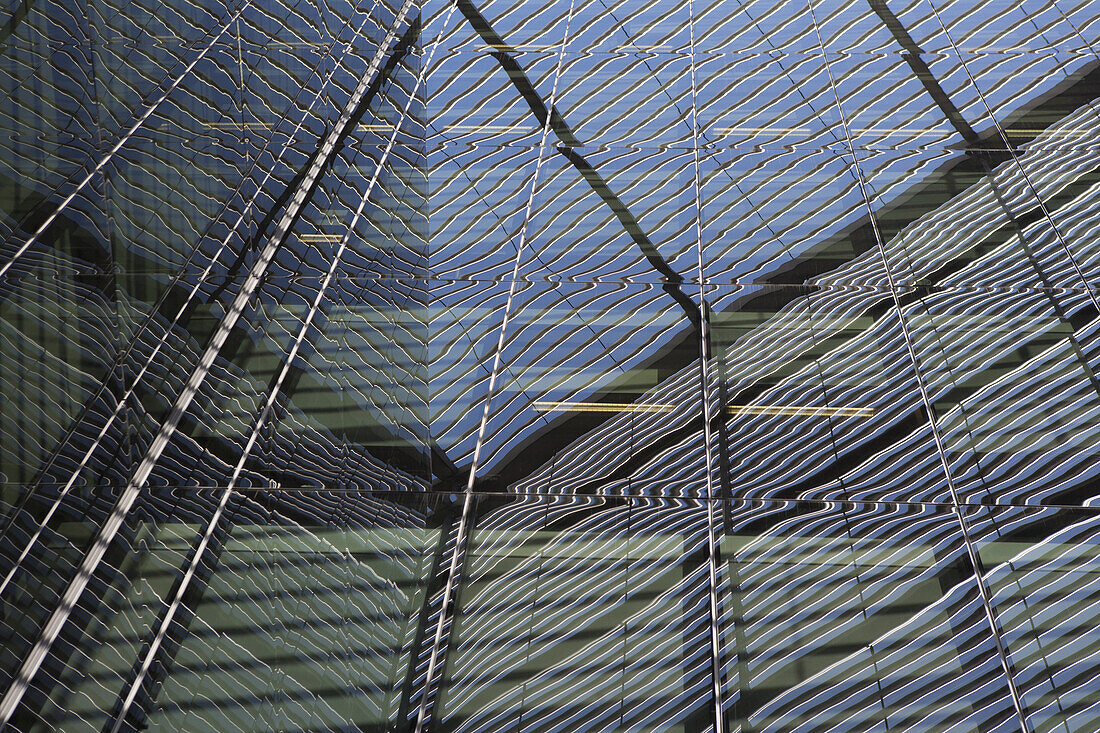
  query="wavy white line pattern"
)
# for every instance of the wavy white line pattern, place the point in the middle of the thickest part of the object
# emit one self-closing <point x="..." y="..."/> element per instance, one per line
<point x="704" y="161"/>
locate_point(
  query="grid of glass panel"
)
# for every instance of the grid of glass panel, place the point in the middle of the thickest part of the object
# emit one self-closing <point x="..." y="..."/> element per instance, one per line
<point x="549" y="365"/>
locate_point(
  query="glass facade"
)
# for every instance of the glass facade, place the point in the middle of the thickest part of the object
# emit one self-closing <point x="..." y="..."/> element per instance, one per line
<point x="549" y="365"/>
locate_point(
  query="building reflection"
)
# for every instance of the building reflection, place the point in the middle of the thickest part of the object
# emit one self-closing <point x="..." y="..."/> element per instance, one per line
<point x="548" y="366"/>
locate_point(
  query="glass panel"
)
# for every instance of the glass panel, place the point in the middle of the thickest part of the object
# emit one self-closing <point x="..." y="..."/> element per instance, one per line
<point x="1012" y="378"/>
<point x="1027" y="92"/>
<point x="898" y="101"/>
<point x="630" y="25"/>
<point x="477" y="201"/>
<point x="597" y="393"/>
<point x="581" y="613"/>
<point x="353" y="412"/>
<point x="764" y="100"/>
<point x="1070" y="207"/>
<point x="756" y="26"/>
<point x="301" y="613"/>
<point x="754" y="225"/>
<point x="818" y="398"/>
<point x="178" y="184"/>
<point x="964" y="220"/>
<point x="464" y="322"/>
<point x="627" y="100"/>
<point x="60" y="381"/>
<point x="172" y="334"/>
<point x="308" y="618"/>
<point x="1040" y="566"/>
<point x="1024" y="26"/>
<point x="48" y="135"/>
<point x="92" y="661"/>
<point x="851" y="617"/>
<point x="613" y="215"/>
<point x="486" y="99"/>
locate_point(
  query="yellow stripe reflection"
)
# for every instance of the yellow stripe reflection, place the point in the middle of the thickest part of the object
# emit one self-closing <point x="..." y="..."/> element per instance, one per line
<point x="732" y="409"/>
<point x="810" y="410"/>
<point x="601" y="407"/>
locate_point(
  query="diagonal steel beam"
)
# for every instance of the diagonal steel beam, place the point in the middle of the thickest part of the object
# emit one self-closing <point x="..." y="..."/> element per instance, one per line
<point x="269" y="406"/>
<point x="549" y="118"/>
<point x="188" y="298"/>
<point x="122" y="140"/>
<point x="110" y="528"/>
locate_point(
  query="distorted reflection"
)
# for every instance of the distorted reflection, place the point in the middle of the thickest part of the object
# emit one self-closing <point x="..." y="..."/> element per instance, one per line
<point x="481" y="365"/>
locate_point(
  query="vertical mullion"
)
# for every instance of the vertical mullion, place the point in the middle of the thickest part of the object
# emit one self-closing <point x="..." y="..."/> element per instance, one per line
<point x="983" y="590"/>
<point x="713" y="537"/>
<point x="447" y="607"/>
<point x="1016" y="159"/>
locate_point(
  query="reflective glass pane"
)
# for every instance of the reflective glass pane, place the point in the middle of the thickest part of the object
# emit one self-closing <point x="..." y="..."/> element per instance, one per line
<point x="598" y="392"/>
<point x="581" y="613"/>
<point x="1011" y="376"/>
<point x="814" y="395"/>
<point x="1040" y="566"/>
<point x="299" y="612"/>
<point x="562" y="365"/>
<point x="856" y="617"/>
